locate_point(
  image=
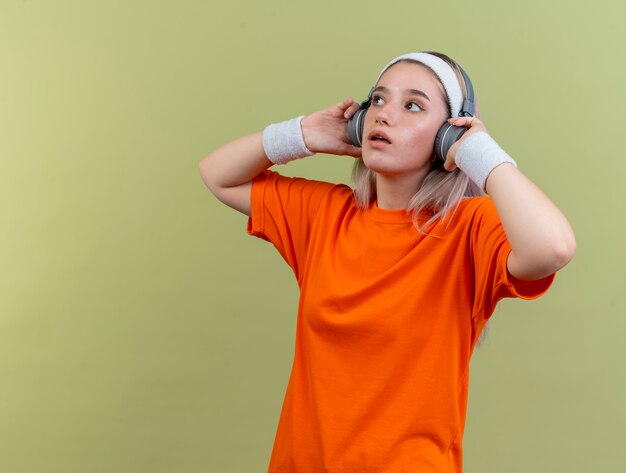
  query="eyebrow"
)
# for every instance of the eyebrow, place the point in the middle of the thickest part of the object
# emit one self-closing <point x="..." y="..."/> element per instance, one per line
<point x="410" y="91"/>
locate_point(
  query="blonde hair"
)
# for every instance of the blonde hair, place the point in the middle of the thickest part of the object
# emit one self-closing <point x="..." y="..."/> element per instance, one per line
<point x="441" y="191"/>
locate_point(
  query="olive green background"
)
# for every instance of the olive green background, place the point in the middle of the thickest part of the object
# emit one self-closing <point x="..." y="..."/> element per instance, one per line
<point x="142" y="330"/>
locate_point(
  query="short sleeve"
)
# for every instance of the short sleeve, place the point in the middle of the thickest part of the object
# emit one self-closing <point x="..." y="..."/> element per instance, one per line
<point x="489" y="250"/>
<point x="283" y="211"/>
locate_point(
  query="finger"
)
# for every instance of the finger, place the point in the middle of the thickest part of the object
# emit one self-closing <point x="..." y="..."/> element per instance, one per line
<point x="458" y="121"/>
<point x="449" y="164"/>
<point x="345" y="103"/>
<point x="465" y="121"/>
<point x="345" y="106"/>
<point x="351" y="110"/>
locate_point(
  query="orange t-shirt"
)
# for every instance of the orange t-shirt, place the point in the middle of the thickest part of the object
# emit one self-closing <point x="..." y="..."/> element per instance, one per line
<point x="387" y="322"/>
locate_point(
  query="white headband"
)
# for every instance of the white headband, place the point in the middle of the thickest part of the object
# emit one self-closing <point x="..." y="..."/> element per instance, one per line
<point x="443" y="71"/>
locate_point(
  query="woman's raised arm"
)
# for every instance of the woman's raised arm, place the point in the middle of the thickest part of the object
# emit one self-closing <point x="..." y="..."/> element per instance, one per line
<point x="229" y="170"/>
<point x="542" y="240"/>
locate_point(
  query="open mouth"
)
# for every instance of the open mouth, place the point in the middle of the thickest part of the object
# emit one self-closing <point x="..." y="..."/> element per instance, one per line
<point x="379" y="136"/>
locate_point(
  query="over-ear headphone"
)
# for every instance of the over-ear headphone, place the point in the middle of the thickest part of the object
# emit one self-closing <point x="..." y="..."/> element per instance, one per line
<point x="446" y="136"/>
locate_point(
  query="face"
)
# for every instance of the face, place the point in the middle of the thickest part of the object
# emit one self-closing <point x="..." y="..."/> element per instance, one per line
<point x="408" y="107"/>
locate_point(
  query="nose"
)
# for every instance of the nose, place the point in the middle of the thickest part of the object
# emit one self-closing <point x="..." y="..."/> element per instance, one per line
<point x="382" y="115"/>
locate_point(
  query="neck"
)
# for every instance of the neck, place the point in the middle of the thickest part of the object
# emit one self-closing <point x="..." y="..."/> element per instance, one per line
<point x="395" y="192"/>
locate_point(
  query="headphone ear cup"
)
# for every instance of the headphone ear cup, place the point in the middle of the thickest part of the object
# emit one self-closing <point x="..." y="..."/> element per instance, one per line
<point x="355" y="127"/>
<point x="446" y="136"/>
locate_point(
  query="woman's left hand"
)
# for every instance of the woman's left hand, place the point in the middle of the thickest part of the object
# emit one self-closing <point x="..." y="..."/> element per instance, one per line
<point x="474" y="125"/>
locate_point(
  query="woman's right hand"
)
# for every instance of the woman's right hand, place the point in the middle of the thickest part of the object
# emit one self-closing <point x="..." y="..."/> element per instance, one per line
<point x="326" y="131"/>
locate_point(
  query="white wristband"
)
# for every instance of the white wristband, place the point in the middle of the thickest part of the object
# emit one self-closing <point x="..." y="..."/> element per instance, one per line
<point x="478" y="155"/>
<point x="284" y="142"/>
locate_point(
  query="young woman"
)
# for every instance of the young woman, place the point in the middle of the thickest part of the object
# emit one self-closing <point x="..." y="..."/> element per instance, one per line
<point x="398" y="276"/>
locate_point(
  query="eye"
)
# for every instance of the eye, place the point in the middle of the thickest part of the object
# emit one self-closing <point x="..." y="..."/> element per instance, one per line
<point x="377" y="100"/>
<point x="413" y="107"/>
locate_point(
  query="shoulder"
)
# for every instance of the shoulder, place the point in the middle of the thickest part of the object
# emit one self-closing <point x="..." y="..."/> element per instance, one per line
<point x="475" y="209"/>
<point x="301" y="184"/>
<point x="469" y="205"/>
<point x="474" y="217"/>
